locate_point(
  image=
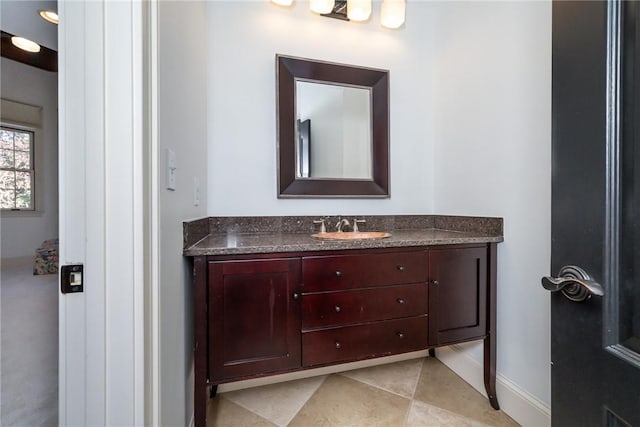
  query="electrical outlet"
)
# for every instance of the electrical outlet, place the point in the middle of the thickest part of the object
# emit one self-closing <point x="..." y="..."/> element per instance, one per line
<point x="170" y="156"/>
<point x="196" y="191"/>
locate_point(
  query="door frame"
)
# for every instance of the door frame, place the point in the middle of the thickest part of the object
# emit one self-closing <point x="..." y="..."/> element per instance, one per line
<point x="108" y="216"/>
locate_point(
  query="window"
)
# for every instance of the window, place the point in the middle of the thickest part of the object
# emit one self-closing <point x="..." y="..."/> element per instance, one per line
<point x="16" y="169"/>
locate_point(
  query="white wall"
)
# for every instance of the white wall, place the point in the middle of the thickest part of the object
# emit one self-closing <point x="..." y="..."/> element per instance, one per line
<point x="492" y="86"/>
<point x="182" y="107"/>
<point x="244" y="39"/>
<point x="470" y="134"/>
<point x="22" y="233"/>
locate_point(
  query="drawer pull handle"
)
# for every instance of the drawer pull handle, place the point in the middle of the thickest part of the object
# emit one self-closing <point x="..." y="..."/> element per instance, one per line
<point x="401" y="268"/>
<point x="400" y="335"/>
<point x="296" y="296"/>
<point x="338" y="274"/>
<point x="435" y="282"/>
<point x="338" y="309"/>
<point x="338" y="345"/>
<point x="400" y="301"/>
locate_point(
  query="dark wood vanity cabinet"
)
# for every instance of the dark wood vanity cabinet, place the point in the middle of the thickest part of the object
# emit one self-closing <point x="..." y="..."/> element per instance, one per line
<point x="266" y="314"/>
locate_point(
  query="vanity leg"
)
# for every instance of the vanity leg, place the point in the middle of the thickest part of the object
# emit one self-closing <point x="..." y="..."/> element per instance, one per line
<point x="490" y="370"/>
<point x="432" y="352"/>
<point x="213" y="391"/>
<point x="200" y="340"/>
<point x="490" y="340"/>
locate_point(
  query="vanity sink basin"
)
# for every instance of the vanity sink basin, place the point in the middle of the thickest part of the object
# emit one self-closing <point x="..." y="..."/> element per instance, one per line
<point x="358" y="235"/>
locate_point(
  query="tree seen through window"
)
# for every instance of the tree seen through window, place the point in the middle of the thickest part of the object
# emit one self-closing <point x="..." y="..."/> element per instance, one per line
<point x="16" y="169"/>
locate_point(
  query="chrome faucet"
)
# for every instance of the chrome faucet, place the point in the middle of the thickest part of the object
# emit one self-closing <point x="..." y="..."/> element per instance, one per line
<point x="341" y="223"/>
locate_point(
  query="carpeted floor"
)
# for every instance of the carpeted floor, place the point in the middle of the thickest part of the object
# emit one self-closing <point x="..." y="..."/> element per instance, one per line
<point x="29" y="347"/>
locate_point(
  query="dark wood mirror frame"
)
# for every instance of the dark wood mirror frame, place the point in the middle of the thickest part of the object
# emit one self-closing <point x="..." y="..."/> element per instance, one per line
<point x="288" y="69"/>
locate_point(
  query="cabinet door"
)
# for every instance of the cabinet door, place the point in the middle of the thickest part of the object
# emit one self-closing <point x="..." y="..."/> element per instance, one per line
<point x="457" y="295"/>
<point x="254" y="317"/>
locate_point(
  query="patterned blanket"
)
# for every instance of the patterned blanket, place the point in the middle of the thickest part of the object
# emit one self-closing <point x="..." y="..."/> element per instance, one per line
<point x="46" y="258"/>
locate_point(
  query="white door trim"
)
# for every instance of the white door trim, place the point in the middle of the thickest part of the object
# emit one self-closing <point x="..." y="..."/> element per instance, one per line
<point x="152" y="318"/>
<point x="102" y="151"/>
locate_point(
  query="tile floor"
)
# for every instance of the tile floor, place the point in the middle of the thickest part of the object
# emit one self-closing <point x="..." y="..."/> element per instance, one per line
<point x="413" y="393"/>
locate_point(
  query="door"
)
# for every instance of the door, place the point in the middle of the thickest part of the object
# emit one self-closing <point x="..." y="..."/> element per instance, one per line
<point x="595" y="355"/>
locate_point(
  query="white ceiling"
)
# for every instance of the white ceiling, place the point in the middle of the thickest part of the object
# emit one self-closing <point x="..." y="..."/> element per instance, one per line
<point x="21" y="18"/>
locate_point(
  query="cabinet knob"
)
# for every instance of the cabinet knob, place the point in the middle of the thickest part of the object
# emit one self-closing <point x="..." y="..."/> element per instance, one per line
<point x="435" y="282"/>
<point x="338" y="273"/>
<point x="400" y="301"/>
<point x="338" y="309"/>
<point x="400" y="335"/>
<point x="296" y="296"/>
<point x="401" y="268"/>
<point x="338" y="344"/>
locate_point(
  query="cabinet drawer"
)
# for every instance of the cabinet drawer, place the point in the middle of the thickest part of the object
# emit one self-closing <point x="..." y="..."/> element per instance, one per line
<point x="364" y="341"/>
<point x="341" y="272"/>
<point x="358" y="306"/>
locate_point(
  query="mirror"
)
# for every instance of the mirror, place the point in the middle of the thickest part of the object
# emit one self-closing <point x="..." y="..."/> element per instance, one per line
<point x="341" y="131"/>
<point x="333" y="129"/>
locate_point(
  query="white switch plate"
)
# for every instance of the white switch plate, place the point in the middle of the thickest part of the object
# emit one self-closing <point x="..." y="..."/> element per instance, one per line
<point x="170" y="156"/>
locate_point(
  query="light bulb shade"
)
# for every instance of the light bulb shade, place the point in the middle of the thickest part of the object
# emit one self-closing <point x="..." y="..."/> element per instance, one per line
<point x="358" y="10"/>
<point x="283" y="2"/>
<point x="393" y="13"/>
<point x="321" y="6"/>
<point x="25" y="44"/>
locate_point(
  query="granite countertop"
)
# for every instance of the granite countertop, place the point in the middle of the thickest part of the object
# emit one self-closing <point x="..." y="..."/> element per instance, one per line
<point x="241" y="235"/>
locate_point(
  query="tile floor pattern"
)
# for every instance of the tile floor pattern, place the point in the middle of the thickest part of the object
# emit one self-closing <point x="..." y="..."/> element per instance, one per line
<point x="413" y="393"/>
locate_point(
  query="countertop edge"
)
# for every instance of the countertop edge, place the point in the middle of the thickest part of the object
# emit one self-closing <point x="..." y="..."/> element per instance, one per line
<point x="306" y="245"/>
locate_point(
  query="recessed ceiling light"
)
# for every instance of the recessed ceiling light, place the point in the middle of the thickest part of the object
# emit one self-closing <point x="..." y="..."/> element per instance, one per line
<point x="25" y="44"/>
<point x="49" y="16"/>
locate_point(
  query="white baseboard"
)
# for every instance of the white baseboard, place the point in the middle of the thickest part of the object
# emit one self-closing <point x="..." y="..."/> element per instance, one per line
<point x="524" y="408"/>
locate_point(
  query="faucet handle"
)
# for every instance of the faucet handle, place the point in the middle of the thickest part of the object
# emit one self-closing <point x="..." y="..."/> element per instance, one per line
<point x="355" y="224"/>
<point x="323" y="227"/>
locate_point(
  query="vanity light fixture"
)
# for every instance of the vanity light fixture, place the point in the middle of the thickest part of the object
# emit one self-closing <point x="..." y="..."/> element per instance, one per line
<point x="392" y="13"/>
<point x="358" y="10"/>
<point x="25" y="44"/>
<point x="321" y="6"/>
<point x="51" y="16"/>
